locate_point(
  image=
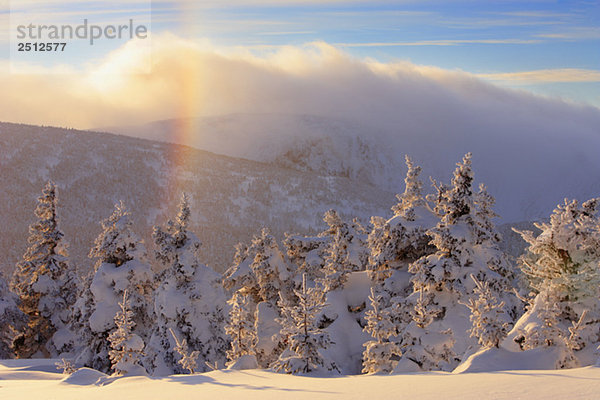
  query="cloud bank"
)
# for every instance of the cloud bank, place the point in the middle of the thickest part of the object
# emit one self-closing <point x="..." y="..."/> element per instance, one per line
<point x="195" y="78"/>
<point x="521" y="142"/>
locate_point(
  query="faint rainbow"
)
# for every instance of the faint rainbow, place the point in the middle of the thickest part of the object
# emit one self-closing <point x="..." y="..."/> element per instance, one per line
<point x="189" y="106"/>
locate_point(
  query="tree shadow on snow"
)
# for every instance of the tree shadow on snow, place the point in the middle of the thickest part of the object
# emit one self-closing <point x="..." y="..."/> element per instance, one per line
<point x="542" y="375"/>
<point x="203" y="379"/>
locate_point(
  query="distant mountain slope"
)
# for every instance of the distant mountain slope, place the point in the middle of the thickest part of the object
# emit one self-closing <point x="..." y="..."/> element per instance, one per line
<point x="231" y="198"/>
<point x="328" y="146"/>
<point x="530" y="159"/>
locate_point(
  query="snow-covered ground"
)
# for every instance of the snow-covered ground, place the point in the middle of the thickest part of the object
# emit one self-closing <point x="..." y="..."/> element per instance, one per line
<point x="39" y="379"/>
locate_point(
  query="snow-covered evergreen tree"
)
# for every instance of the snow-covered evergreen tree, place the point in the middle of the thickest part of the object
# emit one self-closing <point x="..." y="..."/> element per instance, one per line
<point x="488" y="239"/>
<point x="188" y="360"/>
<point x="240" y="328"/>
<point x="12" y="320"/>
<point x="336" y="264"/>
<point x="562" y="267"/>
<point x="126" y="348"/>
<point x="412" y="198"/>
<point x="352" y="236"/>
<point x="488" y="317"/>
<point x="549" y="332"/>
<point x="425" y="346"/>
<point x="425" y="349"/>
<point x="189" y="300"/>
<point x="45" y="283"/>
<point x="259" y="270"/>
<point x="270" y="269"/>
<point x="66" y="366"/>
<point x="566" y="253"/>
<point x="240" y="277"/>
<point x="318" y="256"/>
<point x="306" y="342"/>
<point x="121" y="266"/>
<point x="381" y="354"/>
<point x="465" y="244"/>
<point x="396" y="242"/>
<point x="307" y="254"/>
<point x="341" y="318"/>
<point x="402" y="239"/>
<point x="274" y="280"/>
<point x="262" y="273"/>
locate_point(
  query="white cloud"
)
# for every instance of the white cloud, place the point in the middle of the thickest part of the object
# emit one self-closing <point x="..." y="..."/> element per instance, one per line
<point x="579" y="33"/>
<point x="426" y="112"/>
<point x="443" y="42"/>
<point x="546" y="76"/>
<point x="191" y="78"/>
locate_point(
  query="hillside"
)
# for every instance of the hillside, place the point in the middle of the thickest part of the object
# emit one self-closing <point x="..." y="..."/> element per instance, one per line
<point x="530" y="159"/>
<point x="232" y="198"/>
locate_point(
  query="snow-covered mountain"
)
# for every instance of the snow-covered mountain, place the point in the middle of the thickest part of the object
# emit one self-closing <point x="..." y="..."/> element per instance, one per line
<point x="327" y="146"/>
<point x="231" y="198"/>
<point x="530" y="161"/>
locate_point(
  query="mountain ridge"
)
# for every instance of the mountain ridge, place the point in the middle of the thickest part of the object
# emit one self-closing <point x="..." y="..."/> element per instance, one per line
<point x="528" y="167"/>
<point x="231" y="198"/>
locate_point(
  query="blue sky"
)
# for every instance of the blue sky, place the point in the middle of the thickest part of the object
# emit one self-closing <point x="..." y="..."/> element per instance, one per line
<point x="547" y="47"/>
<point x="476" y="36"/>
<point x="481" y="37"/>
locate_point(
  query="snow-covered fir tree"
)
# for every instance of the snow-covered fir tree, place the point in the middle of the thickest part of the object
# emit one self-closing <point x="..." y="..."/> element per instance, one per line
<point x="345" y="260"/>
<point x="562" y="267"/>
<point x="240" y="277"/>
<point x="381" y="354"/>
<point x="336" y="266"/>
<point x="488" y="239"/>
<point x="346" y="252"/>
<point x="12" y="320"/>
<point x="441" y="281"/>
<point x="566" y="253"/>
<point x="274" y="280"/>
<point x="270" y="269"/>
<point x="126" y="348"/>
<point x="460" y="240"/>
<point x="189" y="300"/>
<point x="312" y="255"/>
<point x="307" y="254"/>
<point x="395" y="243"/>
<point x="306" y="341"/>
<point x="188" y="359"/>
<point x="352" y="236"/>
<point x="402" y="239"/>
<point x="549" y="332"/>
<point x="46" y="284"/>
<point x="66" y="366"/>
<point x="240" y="328"/>
<point x="425" y="347"/>
<point x="262" y="273"/>
<point x="426" y="350"/>
<point x="489" y="320"/>
<point x="332" y="259"/>
<point x="120" y="266"/>
<point x="572" y="343"/>
<point x="259" y="270"/>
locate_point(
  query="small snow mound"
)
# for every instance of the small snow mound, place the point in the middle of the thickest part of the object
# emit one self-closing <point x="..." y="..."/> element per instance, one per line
<point x="247" y="361"/>
<point x="135" y="370"/>
<point x="85" y="376"/>
<point x="499" y="359"/>
<point x="405" y="365"/>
